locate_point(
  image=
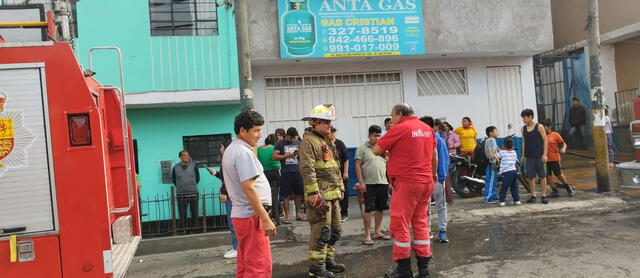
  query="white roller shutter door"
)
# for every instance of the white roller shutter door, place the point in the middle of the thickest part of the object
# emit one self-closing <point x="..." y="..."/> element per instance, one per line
<point x="361" y="100"/>
<point x="505" y="98"/>
<point x="26" y="196"/>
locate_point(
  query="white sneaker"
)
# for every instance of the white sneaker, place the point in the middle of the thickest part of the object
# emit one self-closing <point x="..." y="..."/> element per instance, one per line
<point x="518" y="203"/>
<point x="231" y="254"/>
<point x="502" y="204"/>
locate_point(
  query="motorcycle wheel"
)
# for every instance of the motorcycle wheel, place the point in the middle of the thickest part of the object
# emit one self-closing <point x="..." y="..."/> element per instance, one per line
<point x="523" y="181"/>
<point x="522" y="177"/>
<point x="464" y="188"/>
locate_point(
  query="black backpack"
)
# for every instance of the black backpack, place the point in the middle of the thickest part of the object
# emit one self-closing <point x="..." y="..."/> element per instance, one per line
<point x="480" y="157"/>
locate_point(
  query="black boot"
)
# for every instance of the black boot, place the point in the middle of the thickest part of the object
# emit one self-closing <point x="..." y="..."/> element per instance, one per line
<point x="320" y="272"/>
<point x="403" y="270"/>
<point x="570" y="190"/>
<point x="335" y="267"/>
<point x="423" y="267"/>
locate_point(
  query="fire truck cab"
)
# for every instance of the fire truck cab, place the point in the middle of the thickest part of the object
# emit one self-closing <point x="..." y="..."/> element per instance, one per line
<point x="68" y="198"/>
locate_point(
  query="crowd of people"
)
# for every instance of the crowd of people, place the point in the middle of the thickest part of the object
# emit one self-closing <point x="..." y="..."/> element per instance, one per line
<point x="403" y="167"/>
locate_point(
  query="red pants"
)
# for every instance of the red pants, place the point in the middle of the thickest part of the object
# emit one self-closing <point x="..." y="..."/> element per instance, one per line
<point x="254" y="252"/>
<point x="409" y="204"/>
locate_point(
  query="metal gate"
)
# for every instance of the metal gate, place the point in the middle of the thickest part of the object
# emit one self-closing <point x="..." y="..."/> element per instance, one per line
<point x="361" y="100"/>
<point x="558" y="79"/>
<point x="550" y="90"/>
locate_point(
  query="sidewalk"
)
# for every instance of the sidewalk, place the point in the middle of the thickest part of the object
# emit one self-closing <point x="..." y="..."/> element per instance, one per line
<point x="581" y="172"/>
<point x="578" y="169"/>
<point x="466" y="210"/>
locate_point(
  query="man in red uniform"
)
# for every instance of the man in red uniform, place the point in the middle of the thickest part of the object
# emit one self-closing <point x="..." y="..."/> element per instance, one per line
<point x="411" y="145"/>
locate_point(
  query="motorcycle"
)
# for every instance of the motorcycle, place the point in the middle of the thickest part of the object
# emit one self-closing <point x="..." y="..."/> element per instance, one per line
<point x="468" y="178"/>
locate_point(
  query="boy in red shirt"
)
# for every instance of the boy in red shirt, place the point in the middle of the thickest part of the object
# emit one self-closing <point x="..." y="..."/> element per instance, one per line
<point x="554" y="141"/>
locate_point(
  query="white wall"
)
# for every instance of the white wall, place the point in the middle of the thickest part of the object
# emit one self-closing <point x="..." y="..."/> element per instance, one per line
<point x="453" y="108"/>
<point x="608" y="74"/>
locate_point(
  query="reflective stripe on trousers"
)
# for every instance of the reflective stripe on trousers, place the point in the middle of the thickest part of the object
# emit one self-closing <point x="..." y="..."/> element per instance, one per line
<point x="318" y="256"/>
<point x="409" y="207"/>
<point x="422" y="242"/>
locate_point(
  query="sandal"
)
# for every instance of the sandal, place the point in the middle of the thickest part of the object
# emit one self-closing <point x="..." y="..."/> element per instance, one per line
<point x="286" y="221"/>
<point x="367" y="242"/>
<point x="384" y="237"/>
<point x="301" y="219"/>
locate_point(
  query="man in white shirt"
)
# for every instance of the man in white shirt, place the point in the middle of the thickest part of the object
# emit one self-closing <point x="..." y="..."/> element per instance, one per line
<point x="250" y="193"/>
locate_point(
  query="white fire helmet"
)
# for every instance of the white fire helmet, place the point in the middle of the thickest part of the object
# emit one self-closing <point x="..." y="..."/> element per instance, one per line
<point x="322" y="112"/>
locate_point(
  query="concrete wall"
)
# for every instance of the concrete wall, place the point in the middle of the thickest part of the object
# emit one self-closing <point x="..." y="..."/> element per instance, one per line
<point x="162" y="63"/>
<point x="570" y="18"/>
<point x="628" y="64"/>
<point x="608" y="73"/>
<point x="155" y="63"/>
<point x="159" y="136"/>
<point x="454" y="107"/>
<point x="461" y="26"/>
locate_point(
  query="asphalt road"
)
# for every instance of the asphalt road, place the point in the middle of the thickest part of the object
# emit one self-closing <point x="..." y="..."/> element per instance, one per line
<point x="600" y="245"/>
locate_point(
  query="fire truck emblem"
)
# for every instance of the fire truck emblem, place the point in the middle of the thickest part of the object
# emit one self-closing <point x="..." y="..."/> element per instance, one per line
<point x="15" y="139"/>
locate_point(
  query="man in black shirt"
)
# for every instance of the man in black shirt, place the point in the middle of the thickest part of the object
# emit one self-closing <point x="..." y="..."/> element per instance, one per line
<point x="343" y="154"/>
<point x="578" y="118"/>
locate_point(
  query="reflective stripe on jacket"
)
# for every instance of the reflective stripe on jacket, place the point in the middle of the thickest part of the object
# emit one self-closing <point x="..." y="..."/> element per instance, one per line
<point x="320" y="176"/>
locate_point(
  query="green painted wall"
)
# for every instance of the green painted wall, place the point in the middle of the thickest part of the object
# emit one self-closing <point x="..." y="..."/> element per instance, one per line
<point x="167" y="63"/>
<point x="155" y="63"/>
<point x="159" y="132"/>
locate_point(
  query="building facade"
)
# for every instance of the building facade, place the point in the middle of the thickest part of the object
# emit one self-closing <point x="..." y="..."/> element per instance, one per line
<point x="180" y="78"/>
<point x="563" y="73"/>
<point x="477" y="62"/>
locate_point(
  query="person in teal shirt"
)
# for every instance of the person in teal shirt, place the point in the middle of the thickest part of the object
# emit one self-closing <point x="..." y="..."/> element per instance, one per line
<point x="272" y="171"/>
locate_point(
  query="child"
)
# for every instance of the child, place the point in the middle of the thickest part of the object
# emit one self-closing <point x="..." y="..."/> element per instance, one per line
<point x="534" y="149"/>
<point x="508" y="159"/>
<point x="608" y="129"/>
<point x="490" y="150"/>
<point x="554" y="140"/>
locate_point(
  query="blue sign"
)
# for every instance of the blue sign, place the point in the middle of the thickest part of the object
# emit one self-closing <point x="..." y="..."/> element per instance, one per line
<point x="350" y="28"/>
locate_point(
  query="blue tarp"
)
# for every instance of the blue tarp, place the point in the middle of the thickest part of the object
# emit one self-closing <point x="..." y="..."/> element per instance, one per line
<point x="576" y="84"/>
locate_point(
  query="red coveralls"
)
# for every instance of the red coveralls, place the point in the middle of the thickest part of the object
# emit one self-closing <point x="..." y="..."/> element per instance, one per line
<point x="411" y="144"/>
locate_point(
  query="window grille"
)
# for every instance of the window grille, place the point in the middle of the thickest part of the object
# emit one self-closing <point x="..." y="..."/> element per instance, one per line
<point x="183" y="18"/>
<point x="437" y="82"/>
<point x="205" y="149"/>
<point x="331" y="80"/>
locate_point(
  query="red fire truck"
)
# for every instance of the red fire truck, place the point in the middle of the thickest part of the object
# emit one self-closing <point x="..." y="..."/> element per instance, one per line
<point x="68" y="201"/>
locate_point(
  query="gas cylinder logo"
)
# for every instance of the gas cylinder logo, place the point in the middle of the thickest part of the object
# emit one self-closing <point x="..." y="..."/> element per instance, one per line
<point x="15" y="139"/>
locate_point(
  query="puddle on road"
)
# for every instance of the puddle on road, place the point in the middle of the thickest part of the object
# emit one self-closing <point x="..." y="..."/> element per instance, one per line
<point x="499" y="239"/>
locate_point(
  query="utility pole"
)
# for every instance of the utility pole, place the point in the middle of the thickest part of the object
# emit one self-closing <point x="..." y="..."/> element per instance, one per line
<point x="597" y="104"/>
<point x="241" y="11"/>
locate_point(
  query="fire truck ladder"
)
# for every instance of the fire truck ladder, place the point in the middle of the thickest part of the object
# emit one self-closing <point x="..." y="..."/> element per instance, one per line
<point x="120" y="93"/>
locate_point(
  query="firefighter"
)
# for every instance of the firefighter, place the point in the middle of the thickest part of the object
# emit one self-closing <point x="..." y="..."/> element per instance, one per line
<point x="411" y="168"/>
<point x="324" y="189"/>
